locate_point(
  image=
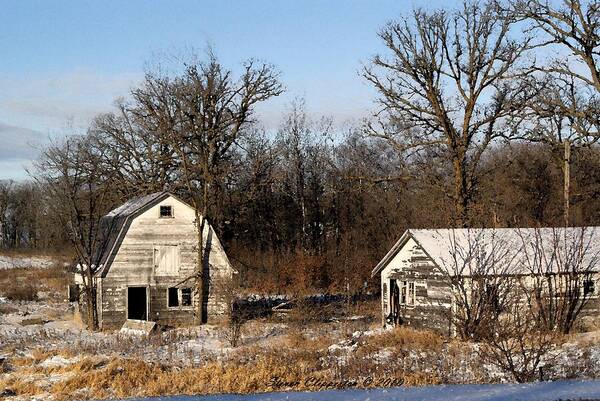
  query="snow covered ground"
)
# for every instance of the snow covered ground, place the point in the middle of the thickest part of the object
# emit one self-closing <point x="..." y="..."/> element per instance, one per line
<point x="12" y="262"/>
<point x="43" y="345"/>
<point x="543" y="391"/>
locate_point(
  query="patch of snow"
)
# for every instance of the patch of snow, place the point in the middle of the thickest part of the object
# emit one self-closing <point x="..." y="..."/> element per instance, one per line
<point x="13" y="262"/>
<point x="259" y="297"/>
<point x="346" y="345"/>
<point x="368" y="333"/>
<point x="58" y="361"/>
<point x="383" y="355"/>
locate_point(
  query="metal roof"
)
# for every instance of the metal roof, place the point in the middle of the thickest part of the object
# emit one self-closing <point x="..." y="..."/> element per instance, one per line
<point x="457" y="250"/>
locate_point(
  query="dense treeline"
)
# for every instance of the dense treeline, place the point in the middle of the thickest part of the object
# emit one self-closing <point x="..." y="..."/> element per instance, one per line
<point x="349" y="220"/>
<point x="468" y="131"/>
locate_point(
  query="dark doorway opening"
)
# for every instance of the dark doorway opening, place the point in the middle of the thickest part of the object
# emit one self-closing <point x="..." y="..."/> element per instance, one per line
<point x="394" y="316"/>
<point x="137" y="303"/>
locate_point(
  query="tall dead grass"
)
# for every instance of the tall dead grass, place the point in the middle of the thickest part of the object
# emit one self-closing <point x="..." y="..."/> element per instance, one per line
<point x="303" y="360"/>
<point x="23" y="284"/>
<point x="128" y="378"/>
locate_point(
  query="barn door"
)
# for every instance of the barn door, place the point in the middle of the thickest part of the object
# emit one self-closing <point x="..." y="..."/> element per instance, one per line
<point x="137" y="303"/>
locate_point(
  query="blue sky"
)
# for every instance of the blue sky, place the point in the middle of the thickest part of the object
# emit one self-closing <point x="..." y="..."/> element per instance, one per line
<point x="62" y="62"/>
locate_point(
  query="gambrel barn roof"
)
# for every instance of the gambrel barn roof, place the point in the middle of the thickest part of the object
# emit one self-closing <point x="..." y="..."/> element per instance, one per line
<point x="443" y="246"/>
<point x="115" y="224"/>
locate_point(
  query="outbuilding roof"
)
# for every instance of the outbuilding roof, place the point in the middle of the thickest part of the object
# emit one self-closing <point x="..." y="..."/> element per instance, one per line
<point x="456" y="251"/>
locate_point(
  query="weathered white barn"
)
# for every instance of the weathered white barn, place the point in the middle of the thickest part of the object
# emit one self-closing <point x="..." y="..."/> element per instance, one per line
<point x="416" y="288"/>
<point x="148" y="263"/>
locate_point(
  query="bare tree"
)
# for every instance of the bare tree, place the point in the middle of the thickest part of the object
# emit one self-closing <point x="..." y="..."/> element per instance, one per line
<point x="518" y="343"/>
<point x="563" y="116"/>
<point x="480" y="268"/>
<point x="5" y="195"/>
<point x="573" y="25"/>
<point x="566" y="111"/>
<point x="302" y="147"/>
<point x="491" y="288"/>
<point x="204" y="111"/>
<point x="79" y="193"/>
<point x="546" y="297"/>
<point x="142" y="161"/>
<point x="517" y="291"/>
<point x="560" y="263"/>
<point x="447" y="84"/>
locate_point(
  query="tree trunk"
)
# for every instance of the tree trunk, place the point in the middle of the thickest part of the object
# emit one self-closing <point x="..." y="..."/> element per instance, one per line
<point x="200" y="221"/>
<point x="201" y="283"/>
<point x="90" y="301"/>
<point x="461" y="194"/>
<point x="567" y="180"/>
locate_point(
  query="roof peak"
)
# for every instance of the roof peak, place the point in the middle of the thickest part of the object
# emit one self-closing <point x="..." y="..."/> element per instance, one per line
<point x="135" y="203"/>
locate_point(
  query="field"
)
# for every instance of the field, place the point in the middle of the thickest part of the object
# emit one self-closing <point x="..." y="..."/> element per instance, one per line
<point x="47" y="354"/>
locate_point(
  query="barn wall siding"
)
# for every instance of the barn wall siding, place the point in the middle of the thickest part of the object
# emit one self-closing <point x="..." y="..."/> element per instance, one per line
<point x="133" y="265"/>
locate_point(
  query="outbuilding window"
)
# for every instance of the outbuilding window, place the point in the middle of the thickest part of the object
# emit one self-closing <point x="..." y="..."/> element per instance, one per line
<point x="411" y="293"/>
<point x="407" y="293"/>
<point x="166" y="211"/>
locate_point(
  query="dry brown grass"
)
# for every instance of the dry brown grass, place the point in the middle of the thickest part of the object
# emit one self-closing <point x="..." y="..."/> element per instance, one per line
<point x="5" y="309"/>
<point x="401" y="355"/>
<point x="311" y="339"/>
<point x="21" y="386"/>
<point x="21" y="292"/>
<point x="405" y="338"/>
<point x="23" y="284"/>
<point x="301" y="358"/>
<point x="127" y="378"/>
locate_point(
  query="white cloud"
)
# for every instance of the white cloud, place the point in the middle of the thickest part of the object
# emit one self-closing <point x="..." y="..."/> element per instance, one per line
<point x="17" y="143"/>
<point x="51" y="102"/>
<point x="32" y="109"/>
<point x="14" y="169"/>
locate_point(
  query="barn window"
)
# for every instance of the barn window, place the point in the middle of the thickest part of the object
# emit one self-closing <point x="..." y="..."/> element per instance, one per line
<point x="588" y="287"/>
<point x="166" y="211"/>
<point x="173" y="297"/>
<point x="166" y="260"/>
<point x="186" y="297"/>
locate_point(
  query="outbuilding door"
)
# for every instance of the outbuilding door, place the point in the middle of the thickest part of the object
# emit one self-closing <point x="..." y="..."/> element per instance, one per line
<point x="394" y="316"/>
<point x="137" y="303"/>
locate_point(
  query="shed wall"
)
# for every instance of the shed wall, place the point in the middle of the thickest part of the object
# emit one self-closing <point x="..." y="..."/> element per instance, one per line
<point x="433" y="296"/>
